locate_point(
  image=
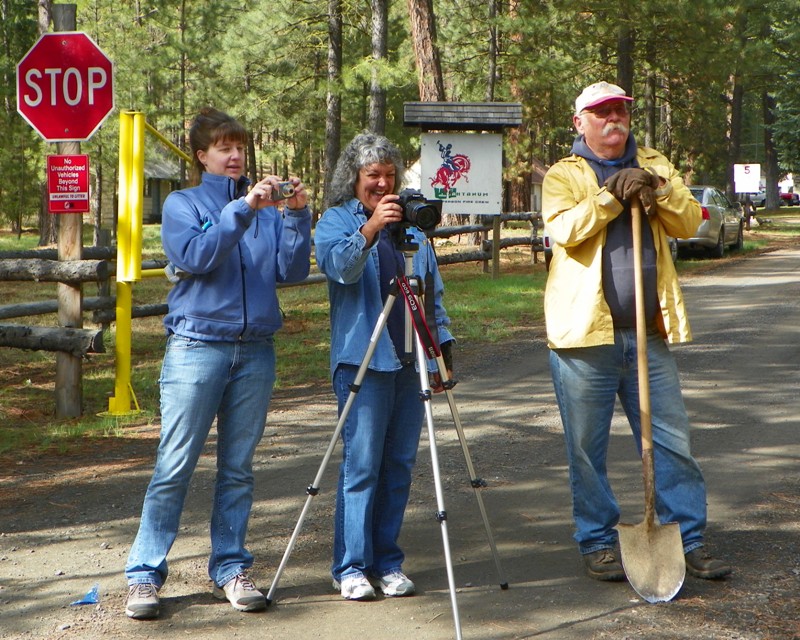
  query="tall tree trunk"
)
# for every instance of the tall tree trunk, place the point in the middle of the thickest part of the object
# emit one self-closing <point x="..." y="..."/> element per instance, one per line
<point x="518" y="186"/>
<point x="666" y="139"/>
<point x="735" y="136"/>
<point x="333" y="114"/>
<point x="650" y="109"/>
<point x="770" y="154"/>
<point x="182" y="91"/>
<point x="253" y="132"/>
<point x="97" y="199"/>
<point x="625" y="42"/>
<point x="650" y="96"/>
<point x="377" y="94"/>
<point x="426" y="51"/>
<point x="45" y="12"/>
<point x="491" y="76"/>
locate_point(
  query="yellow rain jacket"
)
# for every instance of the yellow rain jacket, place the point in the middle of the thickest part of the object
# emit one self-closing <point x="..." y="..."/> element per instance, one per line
<point x="576" y="211"/>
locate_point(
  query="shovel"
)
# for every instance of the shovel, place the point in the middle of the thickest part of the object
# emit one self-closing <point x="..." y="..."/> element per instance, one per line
<point x="652" y="553"/>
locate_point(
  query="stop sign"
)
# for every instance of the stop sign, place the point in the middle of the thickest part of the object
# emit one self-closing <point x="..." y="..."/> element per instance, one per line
<point x="65" y="86"/>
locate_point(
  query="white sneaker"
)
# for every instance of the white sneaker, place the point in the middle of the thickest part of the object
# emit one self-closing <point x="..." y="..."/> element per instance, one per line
<point x="396" y="584"/>
<point x="355" y="588"/>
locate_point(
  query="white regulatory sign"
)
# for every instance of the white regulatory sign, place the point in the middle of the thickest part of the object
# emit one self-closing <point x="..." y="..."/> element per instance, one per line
<point x="747" y="178"/>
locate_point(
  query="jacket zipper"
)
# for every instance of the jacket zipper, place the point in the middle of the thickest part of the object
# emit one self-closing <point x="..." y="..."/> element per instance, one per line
<point x="244" y="292"/>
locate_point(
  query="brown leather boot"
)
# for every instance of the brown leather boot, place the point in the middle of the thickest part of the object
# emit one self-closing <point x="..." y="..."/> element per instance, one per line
<point x="700" y="564"/>
<point x="604" y="565"/>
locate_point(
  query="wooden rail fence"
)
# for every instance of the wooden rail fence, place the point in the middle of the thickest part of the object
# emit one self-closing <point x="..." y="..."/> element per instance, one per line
<point x="98" y="265"/>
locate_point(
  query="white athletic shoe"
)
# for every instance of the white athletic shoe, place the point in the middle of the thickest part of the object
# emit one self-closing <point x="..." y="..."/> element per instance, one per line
<point x="396" y="584"/>
<point x="355" y="588"/>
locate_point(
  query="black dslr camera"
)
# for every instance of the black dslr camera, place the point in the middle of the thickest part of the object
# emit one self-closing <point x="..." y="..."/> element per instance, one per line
<point x="418" y="211"/>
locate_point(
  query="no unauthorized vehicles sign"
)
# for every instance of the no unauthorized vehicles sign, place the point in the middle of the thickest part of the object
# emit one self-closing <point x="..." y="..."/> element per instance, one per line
<point x="68" y="184"/>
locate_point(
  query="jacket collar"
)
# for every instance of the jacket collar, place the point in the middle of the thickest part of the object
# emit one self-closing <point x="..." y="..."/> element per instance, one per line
<point x="224" y="187"/>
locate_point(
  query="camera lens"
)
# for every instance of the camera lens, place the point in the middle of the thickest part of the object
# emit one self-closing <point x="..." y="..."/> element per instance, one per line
<point x="419" y="211"/>
<point x="286" y="189"/>
<point x="422" y="215"/>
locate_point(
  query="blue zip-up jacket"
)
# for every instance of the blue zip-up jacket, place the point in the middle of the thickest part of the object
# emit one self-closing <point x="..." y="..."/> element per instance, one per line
<point x="230" y="258"/>
<point x="354" y="287"/>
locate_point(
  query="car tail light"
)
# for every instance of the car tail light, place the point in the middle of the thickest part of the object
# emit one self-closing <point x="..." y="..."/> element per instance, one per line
<point x="706" y="216"/>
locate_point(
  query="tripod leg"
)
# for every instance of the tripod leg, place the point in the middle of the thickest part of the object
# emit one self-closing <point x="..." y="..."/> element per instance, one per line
<point x="441" y="514"/>
<point x="476" y="482"/>
<point x="313" y="488"/>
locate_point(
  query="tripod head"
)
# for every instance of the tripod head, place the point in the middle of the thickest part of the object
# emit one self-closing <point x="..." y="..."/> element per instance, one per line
<point x="403" y="240"/>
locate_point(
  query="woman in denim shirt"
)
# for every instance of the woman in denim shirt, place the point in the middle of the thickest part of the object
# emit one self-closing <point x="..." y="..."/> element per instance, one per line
<point x="356" y="251"/>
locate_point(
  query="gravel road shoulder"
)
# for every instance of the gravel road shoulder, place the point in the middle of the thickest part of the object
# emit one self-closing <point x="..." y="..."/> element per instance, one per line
<point x="66" y="523"/>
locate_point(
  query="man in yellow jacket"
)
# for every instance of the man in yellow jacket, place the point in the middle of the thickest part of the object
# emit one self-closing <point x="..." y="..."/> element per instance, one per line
<point x="591" y="324"/>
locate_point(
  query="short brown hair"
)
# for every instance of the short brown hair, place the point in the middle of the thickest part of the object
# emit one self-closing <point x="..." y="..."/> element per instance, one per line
<point x="209" y="127"/>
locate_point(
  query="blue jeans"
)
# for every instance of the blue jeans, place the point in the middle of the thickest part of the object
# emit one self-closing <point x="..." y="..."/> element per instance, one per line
<point x="233" y="382"/>
<point x="587" y="382"/>
<point x="381" y="438"/>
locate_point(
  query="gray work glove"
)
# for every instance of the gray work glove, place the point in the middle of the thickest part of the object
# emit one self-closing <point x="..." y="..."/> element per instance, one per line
<point x="627" y="183"/>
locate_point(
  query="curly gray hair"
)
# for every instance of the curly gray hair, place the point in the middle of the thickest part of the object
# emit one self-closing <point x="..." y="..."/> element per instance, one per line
<point x="365" y="149"/>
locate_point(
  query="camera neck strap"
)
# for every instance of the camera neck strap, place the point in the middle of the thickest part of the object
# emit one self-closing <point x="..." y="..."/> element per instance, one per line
<point x="429" y="344"/>
<point x="429" y="301"/>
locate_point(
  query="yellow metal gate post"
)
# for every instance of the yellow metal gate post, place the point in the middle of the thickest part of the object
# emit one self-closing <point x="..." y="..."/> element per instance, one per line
<point x="129" y="253"/>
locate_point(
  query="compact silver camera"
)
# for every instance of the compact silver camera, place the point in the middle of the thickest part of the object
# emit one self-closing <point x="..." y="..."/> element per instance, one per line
<point x="282" y="191"/>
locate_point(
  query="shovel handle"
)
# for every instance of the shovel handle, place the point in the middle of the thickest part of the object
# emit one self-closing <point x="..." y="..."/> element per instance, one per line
<point x="646" y="426"/>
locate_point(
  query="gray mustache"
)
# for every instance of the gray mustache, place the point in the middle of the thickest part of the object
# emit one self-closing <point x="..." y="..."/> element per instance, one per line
<point x="614" y="126"/>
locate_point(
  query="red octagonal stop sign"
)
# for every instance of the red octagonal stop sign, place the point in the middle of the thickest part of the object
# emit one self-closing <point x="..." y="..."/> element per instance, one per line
<point x="65" y="86"/>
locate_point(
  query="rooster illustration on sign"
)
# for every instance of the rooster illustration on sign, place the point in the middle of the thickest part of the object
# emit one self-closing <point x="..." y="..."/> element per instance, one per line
<point x="453" y="168"/>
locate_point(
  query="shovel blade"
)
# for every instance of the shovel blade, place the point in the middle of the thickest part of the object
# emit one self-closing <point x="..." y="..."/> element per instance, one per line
<point x="652" y="556"/>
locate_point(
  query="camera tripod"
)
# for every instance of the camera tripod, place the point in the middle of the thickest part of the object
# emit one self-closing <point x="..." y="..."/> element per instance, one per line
<point x="420" y="342"/>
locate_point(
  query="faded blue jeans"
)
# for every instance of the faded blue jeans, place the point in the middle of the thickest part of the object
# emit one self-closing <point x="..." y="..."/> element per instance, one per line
<point x="381" y="438"/>
<point x="587" y="382"/>
<point x="200" y="380"/>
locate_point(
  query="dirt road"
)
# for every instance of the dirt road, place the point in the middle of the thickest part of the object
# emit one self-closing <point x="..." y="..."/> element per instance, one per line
<point x="66" y="524"/>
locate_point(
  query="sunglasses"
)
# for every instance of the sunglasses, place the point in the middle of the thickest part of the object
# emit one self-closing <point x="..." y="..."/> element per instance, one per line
<point x="605" y="110"/>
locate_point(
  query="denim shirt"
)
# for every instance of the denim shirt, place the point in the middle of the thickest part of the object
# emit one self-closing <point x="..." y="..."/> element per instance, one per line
<point x="353" y="273"/>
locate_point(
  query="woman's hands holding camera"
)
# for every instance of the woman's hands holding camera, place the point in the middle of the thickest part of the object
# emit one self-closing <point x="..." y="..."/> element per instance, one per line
<point x="271" y="191"/>
<point x="386" y="212"/>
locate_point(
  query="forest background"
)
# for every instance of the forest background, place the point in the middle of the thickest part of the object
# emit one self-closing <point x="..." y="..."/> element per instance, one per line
<point x="716" y="82"/>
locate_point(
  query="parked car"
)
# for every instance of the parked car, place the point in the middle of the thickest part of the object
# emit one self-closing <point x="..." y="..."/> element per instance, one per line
<point x="759" y="199"/>
<point x="788" y="198"/>
<point x="722" y="225"/>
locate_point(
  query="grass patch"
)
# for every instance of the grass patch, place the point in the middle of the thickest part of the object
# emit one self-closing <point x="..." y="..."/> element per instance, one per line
<point x="487" y="310"/>
<point x="26" y="241"/>
<point x="780" y="222"/>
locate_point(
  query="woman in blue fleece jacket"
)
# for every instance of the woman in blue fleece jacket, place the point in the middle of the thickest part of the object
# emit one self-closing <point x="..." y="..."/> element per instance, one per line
<point x="228" y="247"/>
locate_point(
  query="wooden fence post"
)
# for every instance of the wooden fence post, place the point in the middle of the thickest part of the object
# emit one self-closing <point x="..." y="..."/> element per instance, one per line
<point x="69" y="377"/>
